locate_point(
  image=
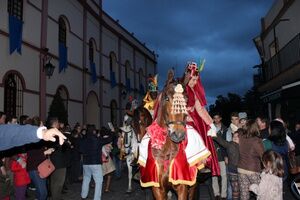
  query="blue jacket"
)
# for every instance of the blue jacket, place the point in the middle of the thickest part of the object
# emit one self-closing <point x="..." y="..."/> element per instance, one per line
<point x="13" y="135"/>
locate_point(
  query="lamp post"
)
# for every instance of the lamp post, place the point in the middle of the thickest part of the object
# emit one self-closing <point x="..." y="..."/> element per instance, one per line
<point x="274" y="33"/>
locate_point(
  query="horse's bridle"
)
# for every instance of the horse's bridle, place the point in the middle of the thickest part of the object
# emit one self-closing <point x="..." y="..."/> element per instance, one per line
<point x="182" y="123"/>
<point x="127" y="145"/>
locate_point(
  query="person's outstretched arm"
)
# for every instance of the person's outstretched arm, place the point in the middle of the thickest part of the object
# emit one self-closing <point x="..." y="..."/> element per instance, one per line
<point x="12" y="135"/>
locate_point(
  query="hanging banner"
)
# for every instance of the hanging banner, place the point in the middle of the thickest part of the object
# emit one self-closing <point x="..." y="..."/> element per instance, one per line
<point x="93" y="71"/>
<point x="63" y="59"/>
<point x="15" y="34"/>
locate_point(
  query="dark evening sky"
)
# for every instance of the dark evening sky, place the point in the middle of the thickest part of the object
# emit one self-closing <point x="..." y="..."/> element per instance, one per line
<point x="221" y="31"/>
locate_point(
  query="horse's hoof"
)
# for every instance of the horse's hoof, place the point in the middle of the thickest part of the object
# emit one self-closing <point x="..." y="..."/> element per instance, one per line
<point x="128" y="191"/>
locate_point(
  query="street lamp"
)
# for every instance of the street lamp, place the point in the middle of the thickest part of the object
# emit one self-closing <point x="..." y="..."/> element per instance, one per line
<point x="124" y="94"/>
<point x="49" y="67"/>
<point x="274" y="33"/>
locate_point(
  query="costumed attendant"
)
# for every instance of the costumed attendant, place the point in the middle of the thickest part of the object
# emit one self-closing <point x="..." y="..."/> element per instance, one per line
<point x="151" y="96"/>
<point x="198" y="116"/>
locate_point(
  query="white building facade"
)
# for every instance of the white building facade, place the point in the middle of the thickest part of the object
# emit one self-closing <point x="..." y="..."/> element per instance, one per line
<point x="88" y="35"/>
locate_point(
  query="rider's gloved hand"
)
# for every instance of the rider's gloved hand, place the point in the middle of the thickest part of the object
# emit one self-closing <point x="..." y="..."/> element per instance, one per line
<point x="212" y="131"/>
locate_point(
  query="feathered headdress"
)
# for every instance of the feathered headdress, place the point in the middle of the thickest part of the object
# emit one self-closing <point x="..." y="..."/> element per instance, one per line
<point x="194" y="68"/>
<point x="152" y="83"/>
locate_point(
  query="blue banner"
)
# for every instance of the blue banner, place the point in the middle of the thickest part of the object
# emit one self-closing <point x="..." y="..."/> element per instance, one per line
<point x="15" y="34"/>
<point x="93" y="71"/>
<point x="63" y="58"/>
<point x="128" y="84"/>
<point x="113" y="82"/>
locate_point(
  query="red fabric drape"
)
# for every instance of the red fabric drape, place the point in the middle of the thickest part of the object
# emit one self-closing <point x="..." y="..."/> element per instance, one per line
<point x="202" y="128"/>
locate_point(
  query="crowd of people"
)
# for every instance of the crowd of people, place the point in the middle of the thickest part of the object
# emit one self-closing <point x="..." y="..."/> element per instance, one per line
<point x="254" y="156"/>
<point x="85" y="153"/>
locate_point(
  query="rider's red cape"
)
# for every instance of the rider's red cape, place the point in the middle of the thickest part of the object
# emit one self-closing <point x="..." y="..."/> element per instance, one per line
<point x="180" y="172"/>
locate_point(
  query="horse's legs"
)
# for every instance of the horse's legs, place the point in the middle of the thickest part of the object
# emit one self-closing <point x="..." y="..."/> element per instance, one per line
<point x="191" y="192"/>
<point x="182" y="191"/>
<point x="159" y="193"/>
<point x="129" y="167"/>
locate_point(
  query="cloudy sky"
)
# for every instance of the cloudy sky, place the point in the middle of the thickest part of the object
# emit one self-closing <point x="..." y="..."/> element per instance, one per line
<point x="221" y="31"/>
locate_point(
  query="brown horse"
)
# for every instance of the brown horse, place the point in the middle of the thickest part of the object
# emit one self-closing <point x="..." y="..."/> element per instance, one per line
<point x="176" y="133"/>
<point x="141" y="120"/>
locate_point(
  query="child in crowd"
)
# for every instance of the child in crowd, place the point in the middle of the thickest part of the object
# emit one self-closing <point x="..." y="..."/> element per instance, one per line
<point x="271" y="184"/>
<point x="232" y="149"/>
<point x="21" y="177"/>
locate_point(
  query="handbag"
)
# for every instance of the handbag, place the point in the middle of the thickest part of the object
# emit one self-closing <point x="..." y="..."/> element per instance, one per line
<point x="104" y="158"/>
<point x="45" y="168"/>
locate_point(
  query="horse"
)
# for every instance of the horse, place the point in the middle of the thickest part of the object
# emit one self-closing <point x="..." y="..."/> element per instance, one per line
<point x="141" y="120"/>
<point x="171" y="125"/>
<point x="129" y="147"/>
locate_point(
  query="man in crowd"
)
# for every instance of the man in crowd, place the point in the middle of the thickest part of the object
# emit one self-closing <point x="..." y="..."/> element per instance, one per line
<point x="221" y="153"/>
<point x="263" y="125"/>
<point x="235" y="120"/>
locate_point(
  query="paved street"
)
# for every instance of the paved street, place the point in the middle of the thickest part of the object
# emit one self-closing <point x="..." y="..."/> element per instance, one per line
<point x="118" y="191"/>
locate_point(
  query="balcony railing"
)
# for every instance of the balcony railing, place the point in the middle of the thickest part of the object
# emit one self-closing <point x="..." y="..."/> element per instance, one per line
<point x="286" y="58"/>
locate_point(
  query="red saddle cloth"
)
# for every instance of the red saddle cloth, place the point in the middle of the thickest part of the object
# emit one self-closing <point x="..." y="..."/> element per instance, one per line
<point x="180" y="172"/>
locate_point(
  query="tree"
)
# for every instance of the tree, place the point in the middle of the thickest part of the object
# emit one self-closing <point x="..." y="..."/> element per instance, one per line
<point x="226" y="105"/>
<point x="57" y="109"/>
<point x="249" y="103"/>
<point x="253" y="104"/>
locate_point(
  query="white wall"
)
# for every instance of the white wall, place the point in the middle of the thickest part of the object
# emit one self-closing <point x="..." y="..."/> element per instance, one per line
<point x="31" y="104"/>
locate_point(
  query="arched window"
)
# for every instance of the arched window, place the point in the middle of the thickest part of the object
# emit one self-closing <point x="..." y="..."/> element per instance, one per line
<point x="91" y="51"/>
<point x="62" y="31"/>
<point x="113" y="112"/>
<point x="13" y="95"/>
<point x="15" y="8"/>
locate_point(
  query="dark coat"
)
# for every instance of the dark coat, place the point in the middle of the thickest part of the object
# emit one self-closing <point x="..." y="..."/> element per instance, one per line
<point x="91" y="149"/>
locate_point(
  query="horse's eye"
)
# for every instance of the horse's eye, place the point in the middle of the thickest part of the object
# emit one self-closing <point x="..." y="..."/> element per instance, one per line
<point x="166" y="98"/>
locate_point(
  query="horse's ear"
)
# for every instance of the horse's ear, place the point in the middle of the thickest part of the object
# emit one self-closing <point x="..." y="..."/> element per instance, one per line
<point x="170" y="77"/>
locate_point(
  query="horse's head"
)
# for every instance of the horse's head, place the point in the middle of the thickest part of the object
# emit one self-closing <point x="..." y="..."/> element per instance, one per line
<point x="172" y="109"/>
<point x="127" y="120"/>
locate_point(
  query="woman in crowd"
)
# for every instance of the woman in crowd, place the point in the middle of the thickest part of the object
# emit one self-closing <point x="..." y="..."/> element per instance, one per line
<point x="249" y="165"/>
<point x="37" y="153"/>
<point x="279" y="143"/>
